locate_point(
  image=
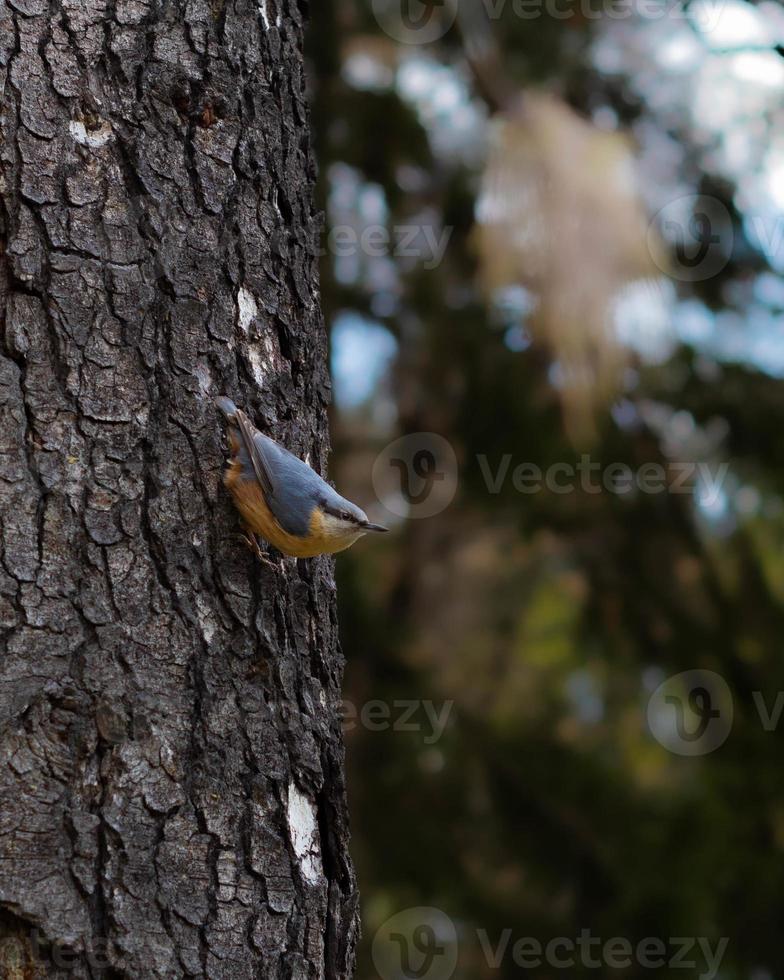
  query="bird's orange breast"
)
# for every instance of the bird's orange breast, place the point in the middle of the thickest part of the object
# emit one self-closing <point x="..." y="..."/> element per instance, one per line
<point x="250" y="502"/>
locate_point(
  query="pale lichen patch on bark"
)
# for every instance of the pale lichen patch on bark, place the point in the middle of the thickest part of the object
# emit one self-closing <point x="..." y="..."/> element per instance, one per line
<point x="304" y="835"/>
<point x="247" y="309"/>
<point x="95" y="137"/>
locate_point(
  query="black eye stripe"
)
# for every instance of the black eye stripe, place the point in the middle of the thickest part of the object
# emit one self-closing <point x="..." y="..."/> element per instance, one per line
<point x="343" y="515"/>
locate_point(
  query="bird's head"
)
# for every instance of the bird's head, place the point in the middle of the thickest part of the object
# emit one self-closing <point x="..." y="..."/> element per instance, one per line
<point x="343" y="521"/>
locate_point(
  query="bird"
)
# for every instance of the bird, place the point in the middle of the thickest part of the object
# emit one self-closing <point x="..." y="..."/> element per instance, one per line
<point x="280" y="498"/>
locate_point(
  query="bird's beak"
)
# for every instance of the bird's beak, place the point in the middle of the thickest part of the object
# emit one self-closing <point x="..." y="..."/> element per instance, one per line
<point x="374" y="527"/>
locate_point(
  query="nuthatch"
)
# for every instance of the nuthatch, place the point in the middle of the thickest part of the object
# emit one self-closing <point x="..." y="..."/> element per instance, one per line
<point x="283" y="499"/>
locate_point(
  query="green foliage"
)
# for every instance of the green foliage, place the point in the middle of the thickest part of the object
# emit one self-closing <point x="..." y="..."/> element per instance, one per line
<point x="547" y="806"/>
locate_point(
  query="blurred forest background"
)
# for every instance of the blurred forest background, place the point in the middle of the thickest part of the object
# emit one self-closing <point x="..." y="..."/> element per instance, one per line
<point x="564" y="317"/>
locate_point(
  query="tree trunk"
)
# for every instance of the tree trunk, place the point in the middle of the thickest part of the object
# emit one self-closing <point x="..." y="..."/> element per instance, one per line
<point x="171" y="770"/>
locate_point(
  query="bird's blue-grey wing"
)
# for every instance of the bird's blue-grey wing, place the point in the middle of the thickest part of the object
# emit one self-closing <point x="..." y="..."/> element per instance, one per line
<point x="255" y="458"/>
<point x="295" y="489"/>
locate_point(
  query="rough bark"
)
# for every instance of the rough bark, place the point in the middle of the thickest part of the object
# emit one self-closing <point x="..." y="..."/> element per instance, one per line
<point x="171" y="770"/>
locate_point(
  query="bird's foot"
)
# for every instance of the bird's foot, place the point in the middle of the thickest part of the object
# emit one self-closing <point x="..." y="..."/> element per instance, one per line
<point x="252" y="542"/>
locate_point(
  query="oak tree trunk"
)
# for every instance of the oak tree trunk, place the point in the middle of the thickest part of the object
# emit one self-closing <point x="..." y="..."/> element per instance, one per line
<point x="171" y="763"/>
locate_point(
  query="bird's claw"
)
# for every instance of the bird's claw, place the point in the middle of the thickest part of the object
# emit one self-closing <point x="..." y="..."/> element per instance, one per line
<point x="252" y="542"/>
